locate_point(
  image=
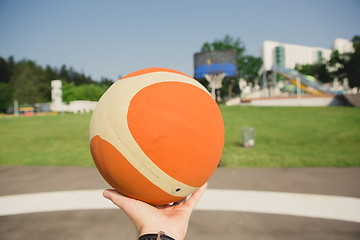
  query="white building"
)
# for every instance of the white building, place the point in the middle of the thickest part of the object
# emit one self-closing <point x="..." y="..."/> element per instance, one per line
<point x="343" y="45"/>
<point x="288" y="55"/>
<point x="57" y="104"/>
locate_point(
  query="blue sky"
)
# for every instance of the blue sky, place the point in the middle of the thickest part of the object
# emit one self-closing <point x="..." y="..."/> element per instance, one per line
<point x="110" y="38"/>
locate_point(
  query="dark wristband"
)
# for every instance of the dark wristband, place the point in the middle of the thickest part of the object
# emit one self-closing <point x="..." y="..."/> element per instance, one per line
<point x="160" y="235"/>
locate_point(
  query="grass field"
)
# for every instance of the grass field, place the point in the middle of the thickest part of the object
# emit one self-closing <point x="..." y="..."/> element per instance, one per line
<point x="60" y="140"/>
<point x="285" y="137"/>
<point x="293" y="136"/>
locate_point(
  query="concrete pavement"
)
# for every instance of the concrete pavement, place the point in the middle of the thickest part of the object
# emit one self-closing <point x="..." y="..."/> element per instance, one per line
<point x="113" y="224"/>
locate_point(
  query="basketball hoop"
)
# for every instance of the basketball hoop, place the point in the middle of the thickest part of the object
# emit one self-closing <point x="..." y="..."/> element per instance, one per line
<point x="215" y="82"/>
<point x="215" y="66"/>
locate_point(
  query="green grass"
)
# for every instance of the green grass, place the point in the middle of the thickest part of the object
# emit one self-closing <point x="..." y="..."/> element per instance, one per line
<point x="60" y="140"/>
<point x="293" y="136"/>
<point x="285" y="137"/>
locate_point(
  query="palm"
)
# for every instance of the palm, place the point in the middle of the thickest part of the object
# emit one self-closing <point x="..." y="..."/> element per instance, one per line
<point x="172" y="219"/>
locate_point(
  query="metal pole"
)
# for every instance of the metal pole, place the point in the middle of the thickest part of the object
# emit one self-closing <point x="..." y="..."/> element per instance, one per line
<point x="298" y="92"/>
<point x="16" y="108"/>
<point x="263" y="84"/>
<point x="213" y="93"/>
<point x="273" y="81"/>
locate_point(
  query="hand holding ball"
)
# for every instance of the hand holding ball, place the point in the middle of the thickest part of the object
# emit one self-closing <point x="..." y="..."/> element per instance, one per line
<point x="156" y="135"/>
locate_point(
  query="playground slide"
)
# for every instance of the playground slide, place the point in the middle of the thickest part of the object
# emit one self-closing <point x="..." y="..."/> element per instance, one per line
<point x="307" y="83"/>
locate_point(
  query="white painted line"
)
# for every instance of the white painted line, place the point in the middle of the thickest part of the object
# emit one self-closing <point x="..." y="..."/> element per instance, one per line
<point x="53" y="201"/>
<point x="295" y="204"/>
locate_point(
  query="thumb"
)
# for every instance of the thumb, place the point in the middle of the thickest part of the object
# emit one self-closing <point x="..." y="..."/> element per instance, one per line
<point x="114" y="196"/>
<point x="195" y="197"/>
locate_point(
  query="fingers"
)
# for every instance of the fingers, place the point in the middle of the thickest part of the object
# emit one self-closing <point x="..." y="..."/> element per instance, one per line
<point x="195" y="197"/>
<point x="109" y="193"/>
<point x="123" y="202"/>
<point x="116" y="197"/>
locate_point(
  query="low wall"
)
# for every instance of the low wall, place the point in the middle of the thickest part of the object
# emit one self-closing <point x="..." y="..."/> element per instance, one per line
<point x="308" y="101"/>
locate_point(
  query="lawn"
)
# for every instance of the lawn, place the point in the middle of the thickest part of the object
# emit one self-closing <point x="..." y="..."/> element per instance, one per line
<point x="60" y="140"/>
<point x="285" y="137"/>
<point x="293" y="136"/>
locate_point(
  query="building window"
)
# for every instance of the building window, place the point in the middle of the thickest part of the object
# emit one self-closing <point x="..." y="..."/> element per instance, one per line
<point x="319" y="57"/>
<point x="280" y="56"/>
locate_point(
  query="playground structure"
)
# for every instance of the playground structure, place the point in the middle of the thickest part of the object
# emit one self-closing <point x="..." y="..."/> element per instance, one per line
<point x="286" y="87"/>
<point x="277" y="86"/>
<point x="305" y="83"/>
<point x="282" y="82"/>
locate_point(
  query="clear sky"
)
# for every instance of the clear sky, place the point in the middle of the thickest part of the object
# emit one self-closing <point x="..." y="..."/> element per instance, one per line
<point x="113" y="37"/>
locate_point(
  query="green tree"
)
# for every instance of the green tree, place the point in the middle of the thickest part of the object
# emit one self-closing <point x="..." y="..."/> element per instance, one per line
<point x="80" y="78"/>
<point x="64" y="74"/>
<point x="248" y="66"/>
<point x="50" y="74"/>
<point x="336" y="65"/>
<point x="317" y="70"/>
<point x="30" y="83"/>
<point x="5" y="96"/>
<point x="91" y="92"/>
<point x="346" y="65"/>
<point x="224" y="44"/>
<point x="106" y="82"/>
<point x="352" y="67"/>
<point x="4" y="71"/>
<point x="69" y="92"/>
<point x="70" y="75"/>
<point x="11" y="66"/>
<point x="6" y="91"/>
<point x="27" y="82"/>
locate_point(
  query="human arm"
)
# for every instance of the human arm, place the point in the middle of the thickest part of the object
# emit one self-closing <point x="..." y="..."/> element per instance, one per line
<point x="171" y="219"/>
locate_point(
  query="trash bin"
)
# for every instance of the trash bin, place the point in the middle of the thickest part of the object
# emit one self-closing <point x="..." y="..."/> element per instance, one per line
<point x="248" y="137"/>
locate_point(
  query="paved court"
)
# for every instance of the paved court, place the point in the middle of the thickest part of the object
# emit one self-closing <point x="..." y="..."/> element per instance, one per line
<point x="204" y="224"/>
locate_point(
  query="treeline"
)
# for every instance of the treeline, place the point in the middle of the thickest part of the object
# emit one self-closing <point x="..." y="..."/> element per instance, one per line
<point x="30" y="83"/>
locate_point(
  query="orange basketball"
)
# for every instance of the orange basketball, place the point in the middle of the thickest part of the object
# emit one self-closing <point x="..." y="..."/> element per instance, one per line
<point x="156" y="135"/>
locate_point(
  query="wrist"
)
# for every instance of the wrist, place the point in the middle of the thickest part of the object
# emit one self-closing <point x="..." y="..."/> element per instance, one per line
<point x="168" y="231"/>
<point x="159" y="236"/>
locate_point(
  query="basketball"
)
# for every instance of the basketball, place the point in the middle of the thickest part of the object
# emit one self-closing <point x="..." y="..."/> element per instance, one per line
<point x="156" y="135"/>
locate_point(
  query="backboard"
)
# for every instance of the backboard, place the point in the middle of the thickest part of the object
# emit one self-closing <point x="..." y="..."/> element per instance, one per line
<point x="221" y="61"/>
